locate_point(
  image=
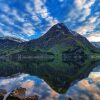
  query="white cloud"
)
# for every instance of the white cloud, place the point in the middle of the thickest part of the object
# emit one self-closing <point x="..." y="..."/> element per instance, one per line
<point x="94" y="37"/>
<point x="61" y="0"/>
<point x="83" y="8"/>
<point x="86" y="13"/>
<point x="16" y="15"/>
<point x="40" y="9"/>
<point x="27" y="25"/>
<point x="85" y="29"/>
<point x="30" y="10"/>
<point x="89" y="26"/>
<point x="6" y="19"/>
<point x="6" y="33"/>
<point x="79" y="4"/>
<point x="28" y="29"/>
<point x="10" y="11"/>
<point x="4" y="7"/>
<point x="93" y="19"/>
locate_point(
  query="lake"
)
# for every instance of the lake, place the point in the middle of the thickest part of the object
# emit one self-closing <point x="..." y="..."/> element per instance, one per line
<point x="59" y="75"/>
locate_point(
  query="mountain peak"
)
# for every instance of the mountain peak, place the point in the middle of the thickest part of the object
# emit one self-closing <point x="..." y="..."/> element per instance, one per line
<point x="60" y="26"/>
<point x="58" y="29"/>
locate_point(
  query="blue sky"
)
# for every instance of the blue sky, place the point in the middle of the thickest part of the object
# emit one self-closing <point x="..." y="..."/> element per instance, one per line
<point x="29" y="19"/>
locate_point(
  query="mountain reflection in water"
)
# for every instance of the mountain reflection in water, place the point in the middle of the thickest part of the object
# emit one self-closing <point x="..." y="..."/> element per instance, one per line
<point x="86" y="89"/>
<point x="59" y="75"/>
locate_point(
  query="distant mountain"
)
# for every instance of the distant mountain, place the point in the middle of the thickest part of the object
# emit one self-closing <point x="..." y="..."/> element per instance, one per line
<point x="58" y="40"/>
<point x="7" y="42"/>
<point x="12" y="39"/>
<point x="96" y="44"/>
<point x="9" y="45"/>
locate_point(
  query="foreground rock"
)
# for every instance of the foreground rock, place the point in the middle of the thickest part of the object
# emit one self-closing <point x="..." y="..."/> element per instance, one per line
<point x="86" y="89"/>
<point x="19" y="94"/>
<point x="2" y="93"/>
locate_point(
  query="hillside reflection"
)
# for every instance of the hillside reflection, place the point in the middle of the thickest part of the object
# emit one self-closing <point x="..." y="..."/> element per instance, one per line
<point x="58" y="75"/>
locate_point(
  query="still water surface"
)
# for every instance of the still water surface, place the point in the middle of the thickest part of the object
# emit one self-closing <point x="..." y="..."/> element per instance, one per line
<point x="58" y="75"/>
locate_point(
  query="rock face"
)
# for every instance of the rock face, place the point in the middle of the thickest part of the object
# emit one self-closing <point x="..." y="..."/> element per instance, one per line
<point x="86" y="89"/>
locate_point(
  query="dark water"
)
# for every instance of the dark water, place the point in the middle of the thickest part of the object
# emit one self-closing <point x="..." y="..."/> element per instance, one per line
<point x="58" y="74"/>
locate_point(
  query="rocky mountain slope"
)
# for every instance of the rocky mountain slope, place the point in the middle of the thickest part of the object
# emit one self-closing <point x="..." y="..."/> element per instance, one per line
<point x="57" y="40"/>
<point x="9" y="45"/>
<point x="59" y="34"/>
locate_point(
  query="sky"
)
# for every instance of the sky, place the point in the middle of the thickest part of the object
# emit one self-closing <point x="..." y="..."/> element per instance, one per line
<point x="30" y="19"/>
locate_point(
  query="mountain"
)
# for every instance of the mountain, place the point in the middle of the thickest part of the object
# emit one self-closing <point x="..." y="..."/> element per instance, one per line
<point x="12" y="39"/>
<point x="9" y="45"/>
<point x="96" y="44"/>
<point x="58" y="41"/>
<point x="59" y="34"/>
<point x="8" y="42"/>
